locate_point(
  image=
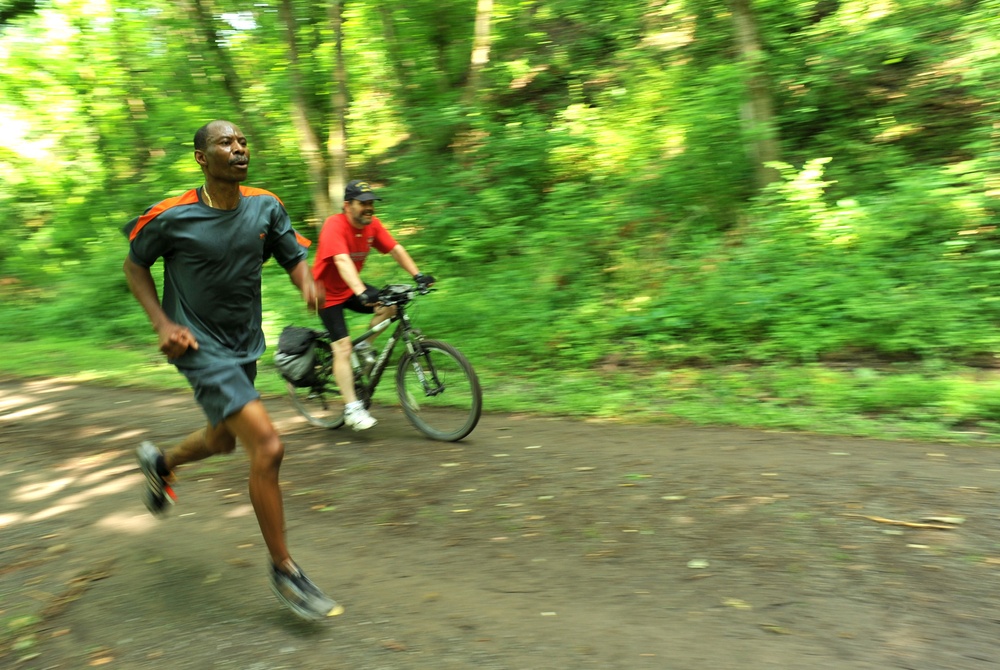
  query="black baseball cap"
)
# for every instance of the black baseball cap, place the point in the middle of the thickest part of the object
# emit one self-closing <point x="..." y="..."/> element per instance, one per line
<point x="359" y="190"/>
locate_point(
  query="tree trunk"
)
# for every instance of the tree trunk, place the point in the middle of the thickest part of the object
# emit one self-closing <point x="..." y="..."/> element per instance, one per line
<point x="757" y="112"/>
<point x="309" y="142"/>
<point x="230" y="78"/>
<point x="392" y="50"/>
<point x="466" y="140"/>
<point x="480" y="51"/>
<point x="337" y="141"/>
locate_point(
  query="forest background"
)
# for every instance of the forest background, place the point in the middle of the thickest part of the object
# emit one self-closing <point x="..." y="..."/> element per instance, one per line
<point x="772" y="213"/>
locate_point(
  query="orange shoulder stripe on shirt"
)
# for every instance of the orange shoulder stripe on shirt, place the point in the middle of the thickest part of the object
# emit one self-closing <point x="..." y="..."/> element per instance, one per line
<point x="250" y="190"/>
<point x="188" y="198"/>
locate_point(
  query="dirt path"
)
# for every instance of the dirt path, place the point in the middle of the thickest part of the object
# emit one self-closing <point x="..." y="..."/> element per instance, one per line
<point x="535" y="544"/>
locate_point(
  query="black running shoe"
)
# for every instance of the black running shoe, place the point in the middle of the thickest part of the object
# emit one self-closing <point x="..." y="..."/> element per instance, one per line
<point x="158" y="495"/>
<point x="300" y="595"/>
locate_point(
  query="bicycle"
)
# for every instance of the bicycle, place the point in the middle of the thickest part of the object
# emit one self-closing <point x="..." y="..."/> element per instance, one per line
<point x="436" y="385"/>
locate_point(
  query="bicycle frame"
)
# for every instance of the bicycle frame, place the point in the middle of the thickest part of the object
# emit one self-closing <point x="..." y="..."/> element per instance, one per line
<point x="382" y="361"/>
<point x="437" y="387"/>
<point x="405" y="331"/>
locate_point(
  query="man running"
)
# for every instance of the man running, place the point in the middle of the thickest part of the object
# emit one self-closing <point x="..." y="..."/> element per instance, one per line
<point x="213" y="241"/>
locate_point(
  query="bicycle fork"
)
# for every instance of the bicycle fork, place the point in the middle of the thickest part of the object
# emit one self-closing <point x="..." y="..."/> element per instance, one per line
<point x="418" y="354"/>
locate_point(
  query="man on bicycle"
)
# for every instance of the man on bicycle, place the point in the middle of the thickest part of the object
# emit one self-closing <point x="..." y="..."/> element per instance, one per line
<point x="344" y="243"/>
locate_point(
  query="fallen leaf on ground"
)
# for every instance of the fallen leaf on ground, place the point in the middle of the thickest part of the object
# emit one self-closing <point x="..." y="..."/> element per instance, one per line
<point x="954" y="520"/>
<point x="895" y="522"/>
<point x="774" y="628"/>
<point x="736" y="603"/>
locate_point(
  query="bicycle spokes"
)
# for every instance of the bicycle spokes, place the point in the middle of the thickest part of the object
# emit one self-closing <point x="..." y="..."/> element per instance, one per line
<point x="439" y="391"/>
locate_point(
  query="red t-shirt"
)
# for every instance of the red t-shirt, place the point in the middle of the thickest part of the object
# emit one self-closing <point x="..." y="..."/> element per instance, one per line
<point x="337" y="237"/>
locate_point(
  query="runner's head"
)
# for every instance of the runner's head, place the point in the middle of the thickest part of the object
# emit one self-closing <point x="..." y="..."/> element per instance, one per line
<point x="220" y="147"/>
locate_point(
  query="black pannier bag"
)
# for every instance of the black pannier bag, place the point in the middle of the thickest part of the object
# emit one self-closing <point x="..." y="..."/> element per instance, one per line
<point x="296" y="355"/>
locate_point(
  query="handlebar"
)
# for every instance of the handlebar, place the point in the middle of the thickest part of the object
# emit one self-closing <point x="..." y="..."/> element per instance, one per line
<point x="400" y="294"/>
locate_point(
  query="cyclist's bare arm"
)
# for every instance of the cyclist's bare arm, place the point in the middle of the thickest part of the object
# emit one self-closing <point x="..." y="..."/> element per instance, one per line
<point x="349" y="273"/>
<point x="400" y="255"/>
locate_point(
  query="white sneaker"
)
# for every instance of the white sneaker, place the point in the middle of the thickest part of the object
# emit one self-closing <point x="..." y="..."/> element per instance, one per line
<point x="358" y="418"/>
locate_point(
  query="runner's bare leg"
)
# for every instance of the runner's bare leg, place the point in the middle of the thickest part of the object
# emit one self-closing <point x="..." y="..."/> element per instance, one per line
<point x="253" y="428"/>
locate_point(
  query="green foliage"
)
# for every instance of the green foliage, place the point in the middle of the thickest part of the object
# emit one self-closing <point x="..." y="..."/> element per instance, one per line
<point x="590" y="207"/>
<point x="805" y="280"/>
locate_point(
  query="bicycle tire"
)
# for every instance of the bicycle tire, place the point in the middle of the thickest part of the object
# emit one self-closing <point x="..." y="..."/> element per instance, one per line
<point x="321" y="403"/>
<point x="452" y="410"/>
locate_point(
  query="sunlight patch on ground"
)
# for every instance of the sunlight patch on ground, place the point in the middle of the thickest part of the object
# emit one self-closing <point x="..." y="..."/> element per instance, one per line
<point x="93" y="431"/>
<point x="10" y="519"/>
<point x="13" y="401"/>
<point x="53" y="385"/>
<point x="126" y="435"/>
<point x="53" y="511"/>
<point x="123" y="522"/>
<point x="174" y="400"/>
<point x="95" y="477"/>
<point x="286" y="425"/>
<point x="90" y="461"/>
<point x="41" y="490"/>
<point x="106" y="489"/>
<point x="29" y="411"/>
<point x="239" y="511"/>
<point x="74" y="501"/>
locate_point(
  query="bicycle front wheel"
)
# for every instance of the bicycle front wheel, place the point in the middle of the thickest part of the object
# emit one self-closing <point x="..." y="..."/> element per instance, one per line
<point x="320" y="403"/>
<point x="439" y="391"/>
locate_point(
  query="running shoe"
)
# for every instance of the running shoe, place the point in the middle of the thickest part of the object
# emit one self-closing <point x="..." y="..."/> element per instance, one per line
<point x="300" y="595"/>
<point x="158" y="495"/>
<point x="358" y="418"/>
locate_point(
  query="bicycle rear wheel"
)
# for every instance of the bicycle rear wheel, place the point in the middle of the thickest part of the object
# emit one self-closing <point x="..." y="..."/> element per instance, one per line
<point x="320" y="403"/>
<point x="439" y="391"/>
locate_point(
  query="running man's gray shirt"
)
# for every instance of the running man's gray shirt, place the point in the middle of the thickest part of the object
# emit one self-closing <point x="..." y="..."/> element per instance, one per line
<point x="212" y="262"/>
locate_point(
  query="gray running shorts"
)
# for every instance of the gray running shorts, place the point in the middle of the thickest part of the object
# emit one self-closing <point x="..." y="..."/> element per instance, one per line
<point x="222" y="390"/>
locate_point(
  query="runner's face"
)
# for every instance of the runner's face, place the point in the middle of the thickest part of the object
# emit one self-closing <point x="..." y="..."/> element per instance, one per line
<point x="360" y="213"/>
<point x="227" y="156"/>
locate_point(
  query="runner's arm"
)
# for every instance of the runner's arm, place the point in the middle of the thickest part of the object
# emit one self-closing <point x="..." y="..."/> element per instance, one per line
<point x="312" y="290"/>
<point x="174" y="339"/>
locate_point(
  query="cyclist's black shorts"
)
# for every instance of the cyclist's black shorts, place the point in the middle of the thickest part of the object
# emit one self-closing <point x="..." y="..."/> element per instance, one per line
<point x="333" y="316"/>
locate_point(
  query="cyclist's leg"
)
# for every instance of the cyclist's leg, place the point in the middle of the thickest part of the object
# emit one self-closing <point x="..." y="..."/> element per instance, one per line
<point x="334" y="322"/>
<point x="355" y="413"/>
<point x="342" y="370"/>
<point x="381" y="314"/>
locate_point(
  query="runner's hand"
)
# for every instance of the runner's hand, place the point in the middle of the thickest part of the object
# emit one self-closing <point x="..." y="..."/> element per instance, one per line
<point x="175" y="340"/>
<point x="314" y="294"/>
